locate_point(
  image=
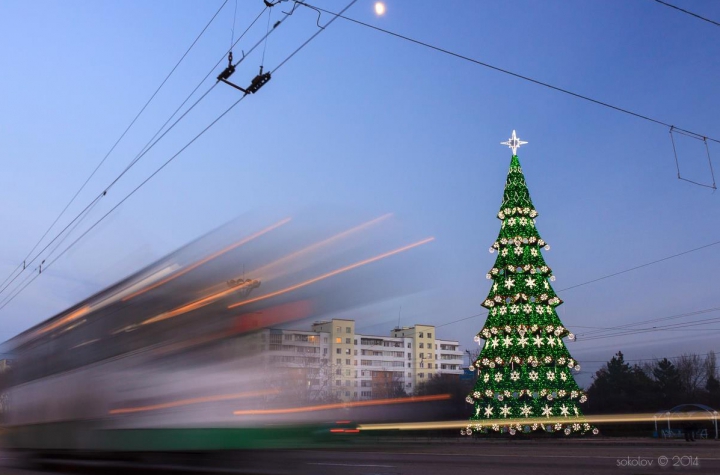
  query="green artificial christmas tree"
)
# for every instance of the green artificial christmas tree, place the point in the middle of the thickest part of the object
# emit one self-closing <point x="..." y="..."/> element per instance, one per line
<point x="525" y="380"/>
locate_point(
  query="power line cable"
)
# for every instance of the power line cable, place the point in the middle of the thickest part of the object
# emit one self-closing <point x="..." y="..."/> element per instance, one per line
<point x="148" y="146"/>
<point x="688" y="12"/>
<point x="517" y="75"/>
<point x="644" y="322"/>
<point x="599" y="279"/>
<point x="178" y="152"/>
<point x="127" y="129"/>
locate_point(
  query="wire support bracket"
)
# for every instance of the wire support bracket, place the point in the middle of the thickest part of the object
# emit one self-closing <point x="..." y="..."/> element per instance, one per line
<point x="674" y="130"/>
<point x="257" y="82"/>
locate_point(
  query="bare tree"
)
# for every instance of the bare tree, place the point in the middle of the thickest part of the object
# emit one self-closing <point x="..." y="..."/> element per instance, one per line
<point x="693" y="373"/>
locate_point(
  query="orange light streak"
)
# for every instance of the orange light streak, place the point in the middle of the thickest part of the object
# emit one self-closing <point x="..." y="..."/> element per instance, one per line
<point x="333" y="273"/>
<point x="342" y="405"/>
<point x="217" y="295"/>
<point x="258" y="272"/>
<point x="197" y="400"/>
<point x="66" y="319"/>
<point x="207" y="259"/>
<point x="192" y="305"/>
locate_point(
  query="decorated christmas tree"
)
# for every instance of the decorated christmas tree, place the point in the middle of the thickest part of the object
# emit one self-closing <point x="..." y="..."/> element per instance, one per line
<point x="525" y="380"/>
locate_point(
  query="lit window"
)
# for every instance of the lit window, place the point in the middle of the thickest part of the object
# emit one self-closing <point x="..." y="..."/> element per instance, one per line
<point x="338" y="340"/>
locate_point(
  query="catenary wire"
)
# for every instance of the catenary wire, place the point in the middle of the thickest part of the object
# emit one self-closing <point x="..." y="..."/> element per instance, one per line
<point x="149" y="145"/>
<point x="127" y="129"/>
<point x="505" y="71"/>
<point x="177" y="153"/>
<point x="688" y="12"/>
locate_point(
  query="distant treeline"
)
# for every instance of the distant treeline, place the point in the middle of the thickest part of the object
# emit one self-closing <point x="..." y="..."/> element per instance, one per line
<point x="619" y="387"/>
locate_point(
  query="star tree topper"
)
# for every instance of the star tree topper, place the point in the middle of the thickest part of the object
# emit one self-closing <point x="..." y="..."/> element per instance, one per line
<point x="514" y="143"/>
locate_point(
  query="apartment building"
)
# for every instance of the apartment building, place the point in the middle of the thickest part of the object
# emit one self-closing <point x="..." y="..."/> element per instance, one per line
<point x="333" y="359"/>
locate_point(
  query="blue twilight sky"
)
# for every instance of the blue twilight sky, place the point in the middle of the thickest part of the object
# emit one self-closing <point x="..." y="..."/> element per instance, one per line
<point x="368" y="122"/>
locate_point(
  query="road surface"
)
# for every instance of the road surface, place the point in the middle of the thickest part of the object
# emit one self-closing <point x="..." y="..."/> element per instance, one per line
<point x="440" y="457"/>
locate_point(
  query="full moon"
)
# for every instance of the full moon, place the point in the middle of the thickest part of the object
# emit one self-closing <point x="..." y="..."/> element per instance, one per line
<point x="379" y="8"/>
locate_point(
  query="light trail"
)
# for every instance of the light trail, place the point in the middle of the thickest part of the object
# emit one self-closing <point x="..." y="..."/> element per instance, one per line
<point x="66" y="319"/>
<point x="194" y="305"/>
<point x="592" y="419"/>
<point x="208" y="259"/>
<point x="342" y="405"/>
<point x="333" y="273"/>
<point x="187" y="402"/>
<point x="258" y="273"/>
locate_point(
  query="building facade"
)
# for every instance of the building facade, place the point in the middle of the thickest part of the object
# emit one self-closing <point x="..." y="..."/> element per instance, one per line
<point x="333" y="361"/>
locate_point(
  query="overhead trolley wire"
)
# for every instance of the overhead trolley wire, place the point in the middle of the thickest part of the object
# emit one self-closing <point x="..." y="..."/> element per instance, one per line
<point x="167" y="162"/>
<point x="511" y="73"/>
<point x="614" y="274"/>
<point x="688" y="12"/>
<point x="148" y="146"/>
<point x="24" y="264"/>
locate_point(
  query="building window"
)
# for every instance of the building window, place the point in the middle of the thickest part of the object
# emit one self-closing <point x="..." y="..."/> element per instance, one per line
<point x="338" y="340"/>
<point x="337" y="382"/>
<point x="356" y="341"/>
<point x="421" y="375"/>
<point x="429" y="356"/>
<point x="338" y="372"/>
<point x="436" y="366"/>
<point x="422" y="345"/>
<point x="409" y="356"/>
<point x="409" y="345"/>
<point x="325" y="339"/>
<point x="347" y="373"/>
<point x="347" y="393"/>
<point x="422" y="365"/>
<point x="429" y="335"/>
<point x="347" y="341"/>
<point x="347" y="362"/>
<point x="338" y="330"/>
<point x="337" y="350"/>
<point x="348" y="330"/>
<point x="355" y="352"/>
<point x="324" y="351"/>
<point x="409" y="365"/>
<point x="338" y="361"/>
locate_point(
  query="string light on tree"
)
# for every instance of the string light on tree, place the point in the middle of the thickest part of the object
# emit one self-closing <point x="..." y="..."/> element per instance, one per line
<point x="524" y="368"/>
